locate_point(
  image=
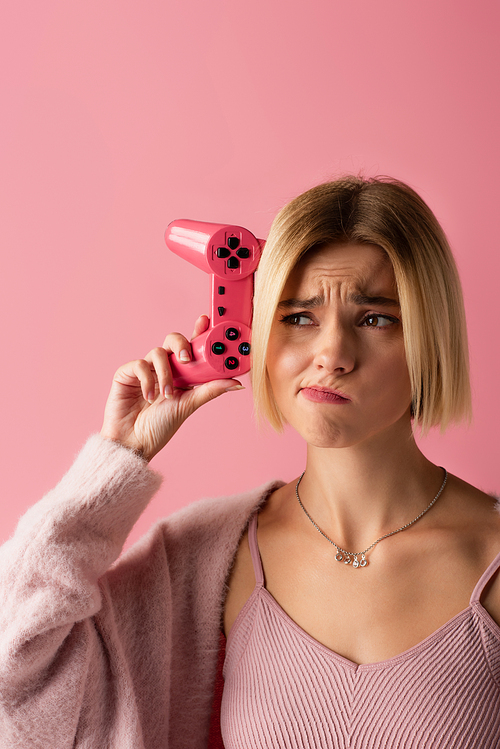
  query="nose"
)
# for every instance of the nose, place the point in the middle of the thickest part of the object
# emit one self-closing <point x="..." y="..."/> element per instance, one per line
<point x="334" y="351"/>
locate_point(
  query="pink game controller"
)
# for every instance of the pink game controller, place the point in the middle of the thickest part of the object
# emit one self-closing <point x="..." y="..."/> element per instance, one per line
<point x="231" y="255"/>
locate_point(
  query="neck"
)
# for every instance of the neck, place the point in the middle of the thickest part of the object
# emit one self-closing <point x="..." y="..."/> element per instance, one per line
<point x="356" y="494"/>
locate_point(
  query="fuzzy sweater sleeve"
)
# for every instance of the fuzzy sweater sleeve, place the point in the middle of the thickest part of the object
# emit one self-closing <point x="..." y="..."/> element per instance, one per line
<point x="57" y="624"/>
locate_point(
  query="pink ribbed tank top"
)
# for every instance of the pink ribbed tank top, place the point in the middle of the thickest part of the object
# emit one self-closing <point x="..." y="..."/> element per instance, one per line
<point x="283" y="689"/>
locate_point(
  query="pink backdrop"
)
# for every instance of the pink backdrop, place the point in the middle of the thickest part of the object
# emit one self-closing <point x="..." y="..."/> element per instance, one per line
<point x="119" y="116"/>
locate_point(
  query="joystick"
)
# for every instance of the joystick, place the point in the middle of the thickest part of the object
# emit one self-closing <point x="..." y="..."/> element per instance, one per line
<point x="230" y="254"/>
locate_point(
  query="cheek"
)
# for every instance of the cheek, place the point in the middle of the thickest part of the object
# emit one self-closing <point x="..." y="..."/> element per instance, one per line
<point x="282" y="365"/>
<point x="398" y="376"/>
<point x="284" y="361"/>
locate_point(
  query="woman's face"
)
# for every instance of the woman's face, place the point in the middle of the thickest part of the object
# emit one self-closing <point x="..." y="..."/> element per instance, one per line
<point x="336" y="358"/>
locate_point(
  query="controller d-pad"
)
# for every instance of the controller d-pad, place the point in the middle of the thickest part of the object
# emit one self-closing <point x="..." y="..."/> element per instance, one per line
<point x="233" y="263"/>
<point x="233" y="242"/>
<point x="223" y="252"/>
<point x="218" y="348"/>
<point x="243" y="253"/>
<point x="231" y="362"/>
<point x="232" y="334"/>
<point x="244" y="348"/>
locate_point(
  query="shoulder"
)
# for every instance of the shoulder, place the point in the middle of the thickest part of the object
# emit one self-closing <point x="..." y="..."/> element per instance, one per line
<point x="225" y="515"/>
<point x="475" y="514"/>
<point x="470" y="499"/>
<point x="205" y="533"/>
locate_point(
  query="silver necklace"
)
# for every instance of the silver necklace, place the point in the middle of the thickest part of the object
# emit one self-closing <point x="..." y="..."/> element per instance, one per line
<point x="351" y="557"/>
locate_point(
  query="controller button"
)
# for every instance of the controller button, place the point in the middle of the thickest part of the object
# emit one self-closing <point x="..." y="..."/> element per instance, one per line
<point x="243" y="253"/>
<point x="218" y="348"/>
<point x="232" y="334"/>
<point x="233" y="242"/>
<point x="221" y="290"/>
<point x="231" y="362"/>
<point x="221" y="311"/>
<point x="233" y="263"/>
<point x="223" y="252"/>
<point x="244" y="348"/>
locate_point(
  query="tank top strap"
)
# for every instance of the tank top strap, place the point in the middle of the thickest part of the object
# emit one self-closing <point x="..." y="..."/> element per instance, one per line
<point x="484" y="579"/>
<point x="254" y="551"/>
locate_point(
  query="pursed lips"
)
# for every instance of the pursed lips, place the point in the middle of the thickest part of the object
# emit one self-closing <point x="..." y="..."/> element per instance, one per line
<point x="324" y="395"/>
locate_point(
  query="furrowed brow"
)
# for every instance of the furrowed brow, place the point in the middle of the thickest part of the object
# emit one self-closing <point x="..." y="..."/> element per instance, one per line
<point x="373" y="301"/>
<point x="294" y="303"/>
<point x="362" y="300"/>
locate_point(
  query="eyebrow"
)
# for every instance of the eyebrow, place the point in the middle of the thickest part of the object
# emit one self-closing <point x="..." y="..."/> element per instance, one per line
<point x="354" y="298"/>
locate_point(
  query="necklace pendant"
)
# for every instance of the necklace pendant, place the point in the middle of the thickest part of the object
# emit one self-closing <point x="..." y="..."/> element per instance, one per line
<point x="349" y="557"/>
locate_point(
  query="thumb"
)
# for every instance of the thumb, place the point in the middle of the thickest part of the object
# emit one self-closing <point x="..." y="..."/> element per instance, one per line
<point x="210" y="390"/>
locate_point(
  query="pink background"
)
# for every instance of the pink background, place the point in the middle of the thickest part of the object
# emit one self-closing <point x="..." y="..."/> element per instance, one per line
<point x="119" y="116"/>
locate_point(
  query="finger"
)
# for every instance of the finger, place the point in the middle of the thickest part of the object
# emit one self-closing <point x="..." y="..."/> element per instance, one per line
<point x="200" y="325"/>
<point x="158" y="359"/>
<point x="210" y="390"/>
<point x="177" y="344"/>
<point x="138" y="371"/>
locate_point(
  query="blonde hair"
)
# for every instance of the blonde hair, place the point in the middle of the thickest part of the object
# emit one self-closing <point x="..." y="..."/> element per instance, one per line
<point x="384" y="212"/>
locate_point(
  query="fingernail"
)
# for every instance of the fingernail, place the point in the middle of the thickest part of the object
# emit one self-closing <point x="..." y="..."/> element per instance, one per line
<point x="184" y="355"/>
<point x="235" y="387"/>
<point x="151" y="397"/>
<point x="168" y="392"/>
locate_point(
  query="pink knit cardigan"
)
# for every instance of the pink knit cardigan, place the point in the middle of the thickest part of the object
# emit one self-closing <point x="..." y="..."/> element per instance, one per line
<point x="108" y="654"/>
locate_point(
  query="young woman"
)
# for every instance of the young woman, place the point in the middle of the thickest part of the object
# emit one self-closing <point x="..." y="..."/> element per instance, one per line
<point x="360" y="602"/>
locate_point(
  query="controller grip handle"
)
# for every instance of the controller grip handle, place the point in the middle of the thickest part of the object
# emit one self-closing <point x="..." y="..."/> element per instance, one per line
<point x="220" y="353"/>
<point x="196" y="371"/>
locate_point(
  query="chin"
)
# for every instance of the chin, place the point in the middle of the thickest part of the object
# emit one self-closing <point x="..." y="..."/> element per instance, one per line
<point x="326" y="436"/>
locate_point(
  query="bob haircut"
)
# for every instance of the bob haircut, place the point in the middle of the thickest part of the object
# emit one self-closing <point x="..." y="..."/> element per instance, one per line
<point x="387" y="213"/>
